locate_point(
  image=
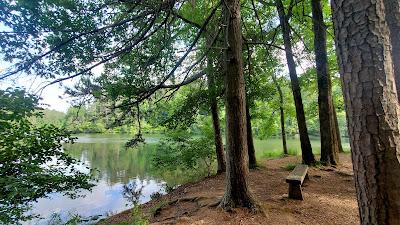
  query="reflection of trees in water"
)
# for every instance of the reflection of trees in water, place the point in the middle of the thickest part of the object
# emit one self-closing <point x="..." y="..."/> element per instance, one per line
<point x="132" y="191"/>
<point x="115" y="162"/>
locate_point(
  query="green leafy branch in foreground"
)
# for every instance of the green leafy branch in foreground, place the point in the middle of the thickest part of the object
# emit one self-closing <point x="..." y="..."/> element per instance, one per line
<point x="183" y="151"/>
<point x="32" y="162"/>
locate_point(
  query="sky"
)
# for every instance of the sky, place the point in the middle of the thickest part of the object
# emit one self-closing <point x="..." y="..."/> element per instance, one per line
<point x="52" y="97"/>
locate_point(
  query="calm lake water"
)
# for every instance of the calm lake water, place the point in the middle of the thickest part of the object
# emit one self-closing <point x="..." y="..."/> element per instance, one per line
<point x="125" y="176"/>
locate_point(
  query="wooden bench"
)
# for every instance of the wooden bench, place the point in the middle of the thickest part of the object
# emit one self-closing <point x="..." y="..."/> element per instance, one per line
<point x="295" y="180"/>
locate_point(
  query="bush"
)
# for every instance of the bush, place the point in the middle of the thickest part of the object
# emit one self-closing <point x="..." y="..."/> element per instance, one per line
<point x="32" y="162"/>
<point x="181" y="151"/>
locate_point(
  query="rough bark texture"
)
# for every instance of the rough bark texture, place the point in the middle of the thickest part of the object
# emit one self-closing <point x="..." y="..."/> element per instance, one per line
<point x="282" y="115"/>
<point x="307" y="155"/>
<point x="219" y="146"/>
<point x="364" y="57"/>
<point x="237" y="193"/>
<point x="392" y="9"/>
<point x="250" y="143"/>
<point x="329" y="143"/>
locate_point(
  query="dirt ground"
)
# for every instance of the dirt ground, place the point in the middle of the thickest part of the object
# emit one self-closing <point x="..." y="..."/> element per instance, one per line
<point x="329" y="198"/>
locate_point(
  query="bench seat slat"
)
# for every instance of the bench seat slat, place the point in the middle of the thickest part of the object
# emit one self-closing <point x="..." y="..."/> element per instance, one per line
<point x="298" y="174"/>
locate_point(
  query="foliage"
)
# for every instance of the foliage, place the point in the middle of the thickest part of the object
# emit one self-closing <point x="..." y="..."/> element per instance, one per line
<point x="53" y="117"/>
<point x="180" y="150"/>
<point x="137" y="217"/>
<point x="290" y="166"/>
<point x="55" y="219"/>
<point x="32" y="162"/>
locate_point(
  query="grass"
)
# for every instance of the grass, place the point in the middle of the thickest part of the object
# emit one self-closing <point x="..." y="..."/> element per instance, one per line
<point x="272" y="147"/>
<point x="290" y="166"/>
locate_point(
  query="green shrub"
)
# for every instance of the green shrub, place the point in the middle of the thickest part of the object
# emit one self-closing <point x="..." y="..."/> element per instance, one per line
<point x="180" y="151"/>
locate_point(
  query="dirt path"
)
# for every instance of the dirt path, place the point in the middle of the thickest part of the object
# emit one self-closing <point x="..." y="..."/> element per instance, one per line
<point x="329" y="198"/>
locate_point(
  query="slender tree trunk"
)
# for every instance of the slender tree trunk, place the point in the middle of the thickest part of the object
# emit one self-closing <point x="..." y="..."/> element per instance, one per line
<point x="329" y="143"/>
<point x="237" y="193"/>
<point x="308" y="156"/>
<point x="250" y="143"/>
<point x="366" y="69"/>
<point x="392" y="9"/>
<point x="339" y="137"/>
<point x="282" y="115"/>
<point x="219" y="146"/>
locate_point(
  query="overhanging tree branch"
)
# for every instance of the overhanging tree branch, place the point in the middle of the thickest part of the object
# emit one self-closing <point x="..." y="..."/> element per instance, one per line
<point x="152" y="90"/>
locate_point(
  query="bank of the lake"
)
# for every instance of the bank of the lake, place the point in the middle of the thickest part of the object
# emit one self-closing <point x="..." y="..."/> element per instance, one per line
<point x="126" y="176"/>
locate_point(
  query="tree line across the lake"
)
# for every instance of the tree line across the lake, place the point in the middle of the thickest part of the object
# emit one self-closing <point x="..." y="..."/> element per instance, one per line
<point x="273" y="66"/>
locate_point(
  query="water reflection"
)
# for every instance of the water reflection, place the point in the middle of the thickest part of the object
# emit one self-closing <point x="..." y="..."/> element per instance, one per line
<point x="124" y="177"/>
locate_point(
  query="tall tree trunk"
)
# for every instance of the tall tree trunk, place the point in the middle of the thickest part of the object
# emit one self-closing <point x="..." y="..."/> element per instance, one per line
<point x="392" y="9"/>
<point x="329" y="143"/>
<point x="307" y="155"/>
<point x="282" y="115"/>
<point x="237" y="193"/>
<point x="365" y="60"/>
<point x="219" y="146"/>
<point x="338" y="136"/>
<point x="250" y="143"/>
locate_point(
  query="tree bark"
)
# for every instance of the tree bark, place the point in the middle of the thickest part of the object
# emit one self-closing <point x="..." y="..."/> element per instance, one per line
<point x="250" y="143"/>
<point x="307" y="155"/>
<point x="366" y="69"/>
<point x="219" y="146"/>
<point x="237" y="193"/>
<point x="328" y="134"/>
<point x="392" y="10"/>
<point x="338" y="136"/>
<point x="282" y="115"/>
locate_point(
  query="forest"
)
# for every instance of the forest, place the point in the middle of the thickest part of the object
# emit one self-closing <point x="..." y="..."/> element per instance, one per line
<point x="160" y="90"/>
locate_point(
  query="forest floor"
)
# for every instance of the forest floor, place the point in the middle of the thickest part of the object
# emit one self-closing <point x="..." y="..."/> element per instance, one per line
<point x="329" y="198"/>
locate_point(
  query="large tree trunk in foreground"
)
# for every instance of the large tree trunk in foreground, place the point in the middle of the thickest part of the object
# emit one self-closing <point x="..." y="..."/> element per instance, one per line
<point x="308" y="156"/>
<point x="219" y="146"/>
<point x="364" y="55"/>
<point x="250" y="143"/>
<point x="237" y="193"/>
<point x="282" y="115"/>
<point x="392" y="9"/>
<point x="329" y="143"/>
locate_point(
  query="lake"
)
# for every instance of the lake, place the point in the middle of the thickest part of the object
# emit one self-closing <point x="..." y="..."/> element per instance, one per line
<point x="125" y="176"/>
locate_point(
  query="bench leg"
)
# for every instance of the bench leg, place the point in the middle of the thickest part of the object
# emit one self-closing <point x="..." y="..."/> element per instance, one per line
<point x="295" y="191"/>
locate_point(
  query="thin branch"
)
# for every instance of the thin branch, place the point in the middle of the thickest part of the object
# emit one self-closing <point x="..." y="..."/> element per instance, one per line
<point x="185" y="19"/>
<point x="186" y="81"/>
<point x="264" y="43"/>
<point x="35" y="59"/>
<point x="152" y="90"/>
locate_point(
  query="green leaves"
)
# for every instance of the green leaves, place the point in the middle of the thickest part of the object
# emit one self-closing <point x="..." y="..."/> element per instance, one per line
<point x="32" y="162"/>
<point x="180" y="150"/>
